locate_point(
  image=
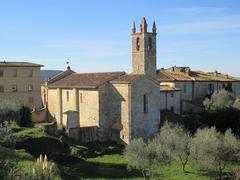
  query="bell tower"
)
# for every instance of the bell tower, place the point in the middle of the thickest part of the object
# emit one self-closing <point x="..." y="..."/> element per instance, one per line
<point x="144" y="49"/>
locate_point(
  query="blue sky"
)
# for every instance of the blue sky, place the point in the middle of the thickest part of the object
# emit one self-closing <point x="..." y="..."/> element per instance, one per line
<point x="95" y="34"/>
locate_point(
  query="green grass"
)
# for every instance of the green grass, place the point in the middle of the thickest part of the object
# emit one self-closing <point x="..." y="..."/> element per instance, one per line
<point x="24" y="161"/>
<point x="29" y="132"/>
<point x="103" y="161"/>
<point x="106" y="165"/>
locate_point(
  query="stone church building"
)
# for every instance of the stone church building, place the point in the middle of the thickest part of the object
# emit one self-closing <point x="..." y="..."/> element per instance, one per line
<point x="119" y="106"/>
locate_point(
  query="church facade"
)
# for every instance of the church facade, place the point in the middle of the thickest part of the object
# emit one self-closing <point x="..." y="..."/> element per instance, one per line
<point x="118" y="105"/>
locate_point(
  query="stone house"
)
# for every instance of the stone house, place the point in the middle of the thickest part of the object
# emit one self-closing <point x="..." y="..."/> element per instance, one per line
<point x="196" y="85"/>
<point x="21" y="81"/>
<point x="122" y="106"/>
<point x="170" y="98"/>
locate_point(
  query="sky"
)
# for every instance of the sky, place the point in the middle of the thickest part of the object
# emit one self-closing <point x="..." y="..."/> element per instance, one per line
<point x="95" y="35"/>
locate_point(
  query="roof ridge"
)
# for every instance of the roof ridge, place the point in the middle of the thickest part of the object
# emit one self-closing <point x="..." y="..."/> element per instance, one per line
<point x="100" y="72"/>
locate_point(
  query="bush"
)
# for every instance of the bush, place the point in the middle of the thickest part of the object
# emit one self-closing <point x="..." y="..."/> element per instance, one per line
<point x="236" y="104"/>
<point x="37" y="142"/>
<point x="140" y="156"/>
<point x="45" y="170"/>
<point x="212" y="150"/>
<point x="219" y="100"/>
<point x="25" y="118"/>
<point x="176" y="140"/>
<point x="41" y="145"/>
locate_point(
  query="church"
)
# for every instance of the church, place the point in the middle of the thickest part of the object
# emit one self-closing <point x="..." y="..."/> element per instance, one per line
<point x="119" y="106"/>
<point x="110" y="105"/>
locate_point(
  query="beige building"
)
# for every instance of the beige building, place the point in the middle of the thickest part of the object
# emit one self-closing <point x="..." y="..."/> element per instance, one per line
<point x="21" y="81"/>
<point x="122" y="106"/>
<point x="196" y="85"/>
<point x="170" y="98"/>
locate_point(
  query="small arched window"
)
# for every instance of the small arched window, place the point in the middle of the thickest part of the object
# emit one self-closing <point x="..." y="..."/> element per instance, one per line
<point x="149" y="44"/>
<point x="145" y="103"/>
<point x="67" y="96"/>
<point x="138" y="44"/>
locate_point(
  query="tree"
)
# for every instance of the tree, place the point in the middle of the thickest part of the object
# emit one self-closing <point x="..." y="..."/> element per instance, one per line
<point x="236" y="104"/>
<point x="219" y="100"/>
<point x="25" y="117"/>
<point x="141" y="156"/>
<point x="213" y="150"/>
<point x="177" y="141"/>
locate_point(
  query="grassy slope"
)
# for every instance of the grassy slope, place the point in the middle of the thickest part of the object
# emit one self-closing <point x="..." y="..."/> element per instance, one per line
<point x="105" y="161"/>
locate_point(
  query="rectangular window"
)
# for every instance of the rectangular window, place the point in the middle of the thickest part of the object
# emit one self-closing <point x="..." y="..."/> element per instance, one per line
<point x="31" y="100"/>
<point x="185" y="88"/>
<point x="1" y="89"/>
<point x="145" y="104"/>
<point x="81" y="98"/>
<point x="30" y="87"/>
<point x="14" y="88"/>
<point x="172" y="94"/>
<point x="67" y="96"/>
<point x="172" y="108"/>
<point x="210" y="88"/>
<point x="14" y="73"/>
<point x="30" y="73"/>
<point x="1" y="72"/>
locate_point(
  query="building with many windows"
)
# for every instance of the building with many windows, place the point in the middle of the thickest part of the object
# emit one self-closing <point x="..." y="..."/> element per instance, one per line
<point x="195" y="86"/>
<point x="21" y="81"/>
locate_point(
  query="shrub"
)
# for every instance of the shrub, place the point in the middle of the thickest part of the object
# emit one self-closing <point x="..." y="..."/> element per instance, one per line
<point x="236" y="104"/>
<point x="45" y="170"/>
<point x="213" y="150"/>
<point x="41" y="145"/>
<point x="141" y="156"/>
<point x="219" y="100"/>
<point x="37" y="142"/>
<point x="25" y="118"/>
<point x="176" y="140"/>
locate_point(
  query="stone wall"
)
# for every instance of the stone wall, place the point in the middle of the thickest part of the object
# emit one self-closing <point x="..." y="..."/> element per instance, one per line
<point x="145" y="124"/>
<point x="169" y="99"/>
<point x="119" y="112"/>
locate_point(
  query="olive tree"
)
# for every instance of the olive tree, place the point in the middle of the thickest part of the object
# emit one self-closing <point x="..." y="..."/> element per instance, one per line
<point x="211" y="150"/>
<point x="140" y="156"/>
<point x="236" y="104"/>
<point x="219" y="100"/>
<point x="177" y="142"/>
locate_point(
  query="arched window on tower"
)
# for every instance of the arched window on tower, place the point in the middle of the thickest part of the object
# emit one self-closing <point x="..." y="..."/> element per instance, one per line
<point x="149" y="44"/>
<point x="138" y="44"/>
<point x="145" y="103"/>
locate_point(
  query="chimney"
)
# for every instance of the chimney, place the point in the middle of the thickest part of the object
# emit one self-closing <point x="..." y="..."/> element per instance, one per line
<point x="227" y="76"/>
<point x="187" y="71"/>
<point x="216" y="73"/>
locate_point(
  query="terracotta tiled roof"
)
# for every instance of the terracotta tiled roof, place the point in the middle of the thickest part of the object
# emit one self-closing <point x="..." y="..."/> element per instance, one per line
<point x="86" y="80"/>
<point x="167" y="75"/>
<point x="168" y="88"/>
<point x="15" y="64"/>
<point x="185" y="74"/>
<point x="128" y="78"/>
